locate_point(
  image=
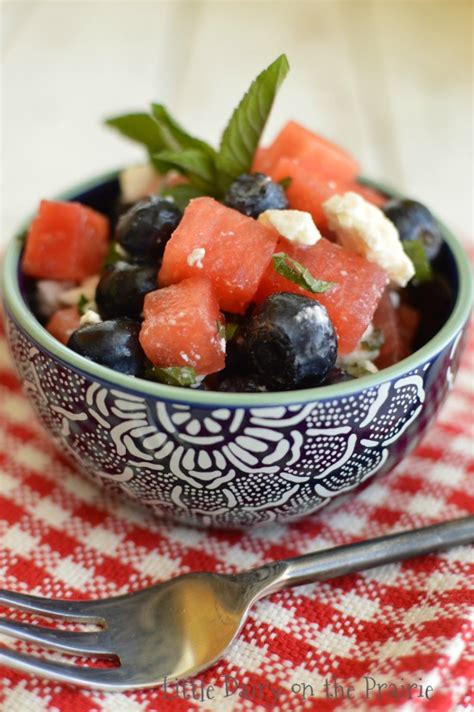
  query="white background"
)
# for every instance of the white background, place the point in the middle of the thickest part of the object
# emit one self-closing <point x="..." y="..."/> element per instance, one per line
<point x="391" y="80"/>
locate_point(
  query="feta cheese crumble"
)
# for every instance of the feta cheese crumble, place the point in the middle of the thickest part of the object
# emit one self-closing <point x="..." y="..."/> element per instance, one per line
<point x="362" y="227"/>
<point x="196" y="257"/>
<point x="86" y="289"/>
<point x="90" y="317"/>
<point x="138" y="182"/>
<point x="294" y="225"/>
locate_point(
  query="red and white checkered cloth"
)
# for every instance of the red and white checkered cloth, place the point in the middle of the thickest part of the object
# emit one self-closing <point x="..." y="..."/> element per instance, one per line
<point x="405" y="623"/>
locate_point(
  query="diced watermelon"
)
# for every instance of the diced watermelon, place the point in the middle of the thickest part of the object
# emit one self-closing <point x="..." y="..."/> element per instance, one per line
<point x="180" y="327"/>
<point x="369" y="194"/>
<point x="315" y="153"/>
<point x="385" y="319"/>
<point x="351" y="303"/>
<point x="399" y="328"/>
<point x="66" y="241"/>
<point x="228" y="248"/>
<point x="306" y="191"/>
<point x="63" y="323"/>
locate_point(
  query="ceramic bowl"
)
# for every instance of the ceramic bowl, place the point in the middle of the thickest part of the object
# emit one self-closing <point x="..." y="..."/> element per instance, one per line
<point x="230" y="460"/>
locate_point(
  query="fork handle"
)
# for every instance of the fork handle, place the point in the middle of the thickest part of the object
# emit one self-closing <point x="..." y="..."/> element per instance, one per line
<point x="341" y="560"/>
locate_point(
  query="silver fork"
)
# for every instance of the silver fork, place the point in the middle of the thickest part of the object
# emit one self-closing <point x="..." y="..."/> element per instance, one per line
<point x="176" y="629"/>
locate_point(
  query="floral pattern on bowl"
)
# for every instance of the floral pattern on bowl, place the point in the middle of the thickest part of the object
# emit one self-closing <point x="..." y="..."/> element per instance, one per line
<point x="230" y="466"/>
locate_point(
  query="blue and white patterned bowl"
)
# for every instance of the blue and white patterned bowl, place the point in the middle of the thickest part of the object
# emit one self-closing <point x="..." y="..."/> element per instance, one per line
<point x="231" y="460"/>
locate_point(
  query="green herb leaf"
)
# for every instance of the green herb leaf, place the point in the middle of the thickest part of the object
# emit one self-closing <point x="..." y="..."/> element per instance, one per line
<point x="295" y="272"/>
<point x="141" y="128"/>
<point x="82" y="304"/>
<point x="174" y="136"/>
<point x="172" y="376"/>
<point x="193" y="162"/>
<point x="183" y="193"/>
<point x="357" y="370"/>
<point x="374" y="341"/>
<point x="116" y="253"/>
<point x="285" y="182"/>
<point x="230" y="330"/>
<point x="415" y="250"/>
<point x="242" y="134"/>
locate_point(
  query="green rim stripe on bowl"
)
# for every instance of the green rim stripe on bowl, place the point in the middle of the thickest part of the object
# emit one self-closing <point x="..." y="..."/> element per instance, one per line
<point x="17" y="306"/>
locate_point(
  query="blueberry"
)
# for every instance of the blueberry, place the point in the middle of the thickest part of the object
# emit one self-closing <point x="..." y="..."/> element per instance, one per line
<point x="122" y="288"/>
<point x="415" y="222"/>
<point x="113" y="343"/>
<point x="337" y="375"/>
<point x="145" y="229"/>
<point x="253" y="193"/>
<point x="242" y="384"/>
<point x="291" y="341"/>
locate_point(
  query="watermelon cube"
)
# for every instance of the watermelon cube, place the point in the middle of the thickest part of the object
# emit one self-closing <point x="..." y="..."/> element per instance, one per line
<point x="306" y="190"/>
<point x="351" y="303"/>
<point x="181" y="327"/>
<point x="66" y="241"/>
<point x="222" y="245"/>
<point x="399" y="328"/>
<point x="63" y="322"/>
<point x="315" y="153"/>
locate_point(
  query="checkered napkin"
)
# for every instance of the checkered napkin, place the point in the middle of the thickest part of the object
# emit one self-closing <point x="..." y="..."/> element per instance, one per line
<point x="301" y="649"/>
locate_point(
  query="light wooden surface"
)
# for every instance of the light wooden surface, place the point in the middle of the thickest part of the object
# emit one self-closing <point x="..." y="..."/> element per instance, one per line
<point x="392" y="80"/>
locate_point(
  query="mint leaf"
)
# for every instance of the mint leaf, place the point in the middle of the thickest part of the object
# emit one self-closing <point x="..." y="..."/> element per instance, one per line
<point x="374" y="341"/>
<point x="172" y="376"/>
<point x="115" y="253"/>
<point x="294" y="271"/>
<point x="183" y="193"/>
<point x="141" y="128"/>
<point x="285" y="182"/>
<point x="82" y="304"/>
<point x="242" y="134"/>
<point x="230" y="330"/>
<point x="414" y="249"/>
<point x="174" y="136"/>
<point x="193" y="162"/>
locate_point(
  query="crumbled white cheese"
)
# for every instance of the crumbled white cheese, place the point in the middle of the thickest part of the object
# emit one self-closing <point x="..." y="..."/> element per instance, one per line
<point x="86" y="289"/>
<point x="90" y="317"/>
<point x="48" y="295"/>
<point x="362" y="354"/>
<point x="196" y="257"/>
<point x="138" y="182"/>
<point x="362" y="227"/>
<point x="312" y="313"/>
<point x="294" y="225"/>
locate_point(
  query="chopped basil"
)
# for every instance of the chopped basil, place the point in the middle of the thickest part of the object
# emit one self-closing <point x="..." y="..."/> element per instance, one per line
<point x="230" y="330"/>
<point x="182" y="194"/>
<point x="116" y="253"/>
<point x="294" y="271"/>
<point x="172" y="376"/>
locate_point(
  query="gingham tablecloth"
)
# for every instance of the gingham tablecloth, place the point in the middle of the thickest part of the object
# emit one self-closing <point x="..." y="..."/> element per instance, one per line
<point x="411" y="622"/>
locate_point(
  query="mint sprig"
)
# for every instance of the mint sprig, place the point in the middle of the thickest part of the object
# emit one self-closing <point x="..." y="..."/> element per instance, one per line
<point x="183" y="193"/>
<point x="175" y="137"/>
<point x="415" y="250"/>
<point x="197" y="165"/>
<point x="171" y="147"/>
<point x="242" y="134"/>
<point x="172" y="376"/>
<point x="295" y="272"/>
<point x="141" y="128"/>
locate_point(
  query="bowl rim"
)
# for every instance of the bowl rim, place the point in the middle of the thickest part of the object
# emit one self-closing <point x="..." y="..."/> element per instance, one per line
<point x="19" y="309"/>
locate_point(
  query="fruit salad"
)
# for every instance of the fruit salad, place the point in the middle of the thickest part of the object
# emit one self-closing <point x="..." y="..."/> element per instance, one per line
<point x="243" y="268"/>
